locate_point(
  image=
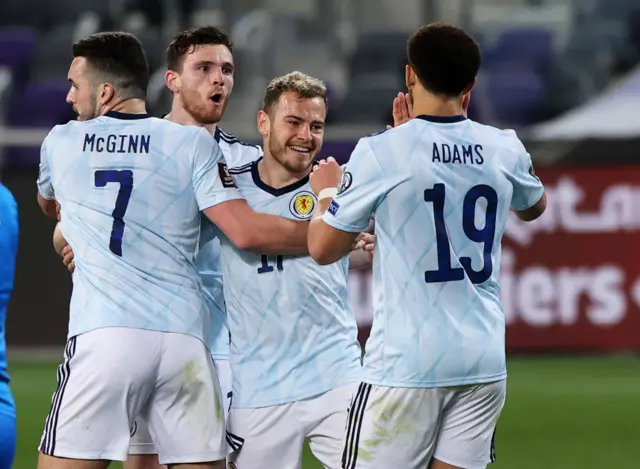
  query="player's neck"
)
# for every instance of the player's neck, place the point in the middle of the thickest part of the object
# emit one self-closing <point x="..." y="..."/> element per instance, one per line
<point x="130" y="106"/>
<point x="180" y="116"/>
<point x="425" y="103"/>
<point x="274" y="175"/>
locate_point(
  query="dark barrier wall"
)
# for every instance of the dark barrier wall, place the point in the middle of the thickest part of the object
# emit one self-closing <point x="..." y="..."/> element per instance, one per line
<point x="38" y="309"/>
<point x="570" y="280"/>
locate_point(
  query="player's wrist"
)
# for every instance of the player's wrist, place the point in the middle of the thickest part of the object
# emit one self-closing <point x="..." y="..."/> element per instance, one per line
<point x="327" y="193"/>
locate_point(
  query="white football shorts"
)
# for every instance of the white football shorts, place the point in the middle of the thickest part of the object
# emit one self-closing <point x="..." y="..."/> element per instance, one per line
<point x="141" y="441"/>
<point x="406" y="427"/>
<point x="112" y="375"/>
<point x="274" y="436"/>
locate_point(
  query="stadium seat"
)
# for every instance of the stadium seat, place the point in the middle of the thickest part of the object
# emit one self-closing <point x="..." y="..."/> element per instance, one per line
<point x="529" y="47"/>
<point x="515" y="97"/>
<point x="17" y="47"/>
<point x="39" y="105"/>
<point x="53" y="54"/>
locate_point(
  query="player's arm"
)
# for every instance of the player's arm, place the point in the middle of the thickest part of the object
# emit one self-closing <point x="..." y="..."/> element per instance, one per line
<point x="529" y="200"/>
<point x="46" y="194"/>
<point x="221" y="202"/>
<point x="253" y="231"/>
<point x="342" y="214"/>
<point x="534" y="212"/>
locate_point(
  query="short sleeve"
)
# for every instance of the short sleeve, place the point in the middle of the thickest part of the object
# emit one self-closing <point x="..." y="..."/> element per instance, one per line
<point x="527" y="188"/>
<point x="212" y="183"/>
<point x="361" y="191"/>
<point x="45" y="187"/>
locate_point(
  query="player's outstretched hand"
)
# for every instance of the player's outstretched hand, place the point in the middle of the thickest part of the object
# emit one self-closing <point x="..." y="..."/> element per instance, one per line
<point x="325" y="175"/>
<point x="402" y="109"/>
<point x="67" y="258"/>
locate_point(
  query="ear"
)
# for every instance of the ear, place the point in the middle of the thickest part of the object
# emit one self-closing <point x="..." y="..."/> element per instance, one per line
<point x="106" y="93"/>
<point x="172" y="80"/>
<point x="264" y="123"/>
<point x="409" y="76"/>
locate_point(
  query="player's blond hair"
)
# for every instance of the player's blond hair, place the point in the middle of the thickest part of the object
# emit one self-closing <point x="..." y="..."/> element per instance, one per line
<point x="305" y="86"/>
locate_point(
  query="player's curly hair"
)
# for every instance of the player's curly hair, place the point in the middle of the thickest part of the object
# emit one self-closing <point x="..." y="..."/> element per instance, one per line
<point x="118" y="58"/>
<point x="445" y="58"/>
<point x="305" y="86"/>
<point x="187" y="41"/>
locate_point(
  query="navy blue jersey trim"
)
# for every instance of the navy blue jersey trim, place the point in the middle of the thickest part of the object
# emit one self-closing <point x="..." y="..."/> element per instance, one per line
<point x="442" y="119"/>
<point x="126" y="116"/>
<point x="275" y="192"/>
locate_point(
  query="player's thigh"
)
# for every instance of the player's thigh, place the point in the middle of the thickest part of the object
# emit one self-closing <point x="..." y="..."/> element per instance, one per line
<point x="265" y="437"/>
<point x="185" y="414"/>
<point x="7" y="438"/>
<point x="143" y="461"/>
<point x="391" y="427"/>
<point x="325" y="419"/>
<point x="107" y="377"/>
<point x="468" y="424"/>
<point x="223" y="370"/>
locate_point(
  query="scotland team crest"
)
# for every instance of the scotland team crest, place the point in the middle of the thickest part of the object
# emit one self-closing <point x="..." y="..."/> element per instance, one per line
<point x="302" y="205"/>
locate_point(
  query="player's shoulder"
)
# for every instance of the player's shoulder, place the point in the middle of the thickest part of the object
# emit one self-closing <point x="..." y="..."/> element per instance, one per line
<point x="237" y="153"/>
<point x="506" y="139"/>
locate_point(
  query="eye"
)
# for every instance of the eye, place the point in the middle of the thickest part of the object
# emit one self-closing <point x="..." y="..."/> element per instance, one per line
<point x="203" y="68"/>
<point x="294" y="123"/>
<point x="227" y="70"/>
<point x="318" y="128"/>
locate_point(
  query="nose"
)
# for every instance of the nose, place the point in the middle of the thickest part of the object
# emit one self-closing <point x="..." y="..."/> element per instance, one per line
<point x="304" y="132"/>
<point x="216" y="76"/>
<point x="69" y="97"/>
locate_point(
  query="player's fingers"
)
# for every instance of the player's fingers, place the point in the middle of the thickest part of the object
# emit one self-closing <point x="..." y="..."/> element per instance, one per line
<point x="396" y="106"/>
<point x="389" y="127"/>
<point x="409" y="103"/>
<point x="71" y="267"/>
<point x="66" y="250"/>
<point x="68" y="259"/>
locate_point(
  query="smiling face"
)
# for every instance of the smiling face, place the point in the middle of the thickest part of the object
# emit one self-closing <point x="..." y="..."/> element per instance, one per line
<point x="293" y="130"/>
<point x="205" y="82"/>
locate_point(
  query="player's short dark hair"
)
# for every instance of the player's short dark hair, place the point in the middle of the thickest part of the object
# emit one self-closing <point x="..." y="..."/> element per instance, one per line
<point x="305" y="86"/>
<point x="186" y="41"/>
<point x="445" y="58"/>
<point x="117" y="58"/>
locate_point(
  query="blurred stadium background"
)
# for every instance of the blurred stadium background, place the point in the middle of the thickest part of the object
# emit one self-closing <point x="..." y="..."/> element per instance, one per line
<point x="564" y="73"/>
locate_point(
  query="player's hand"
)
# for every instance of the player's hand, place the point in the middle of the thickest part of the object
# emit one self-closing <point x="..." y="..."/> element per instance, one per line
<point x="58" y="211"/>
<point x="326" y="174"/>
<point x="67" y="258"/>
<point x="364" y="241"/>
<point x="402" y="109"/>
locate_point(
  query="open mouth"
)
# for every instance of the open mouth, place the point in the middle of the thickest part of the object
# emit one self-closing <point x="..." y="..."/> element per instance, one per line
<point x="216" y="98"/>
<point x="300" y="149"/>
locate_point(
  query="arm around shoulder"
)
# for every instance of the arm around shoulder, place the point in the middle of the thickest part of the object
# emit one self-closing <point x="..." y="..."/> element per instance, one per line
<point x="252" y="231"/>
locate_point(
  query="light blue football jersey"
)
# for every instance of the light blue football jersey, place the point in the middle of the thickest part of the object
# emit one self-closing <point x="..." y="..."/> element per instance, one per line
<point x="441" y="190"/>
<point x="131" y="189"/>
<point x="236" y="153"/>
<point x="293" y="333"/>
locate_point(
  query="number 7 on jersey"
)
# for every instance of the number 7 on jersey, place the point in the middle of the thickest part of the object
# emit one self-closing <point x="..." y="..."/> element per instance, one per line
<point x="125" y="179"/>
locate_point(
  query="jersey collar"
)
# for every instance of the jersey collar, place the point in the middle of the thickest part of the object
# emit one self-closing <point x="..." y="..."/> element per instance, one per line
<point x="255" y="174"/>
<point x="442" y="119"/>
<point x="126" y="116"/>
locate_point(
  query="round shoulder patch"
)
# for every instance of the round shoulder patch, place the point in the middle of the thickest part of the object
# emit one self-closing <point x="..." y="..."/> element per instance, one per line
<point x="345" y="182"/>
<point x="302" y="205"/>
